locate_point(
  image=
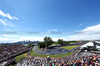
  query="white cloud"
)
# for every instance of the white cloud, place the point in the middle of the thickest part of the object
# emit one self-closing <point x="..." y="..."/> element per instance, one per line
<point x="9" y="38"/>
<point x="90" y="33"/>
<point x="8" y="15"/>
<point x="49" y="31"/>
<point x="81" y="24"/>
<point x="6" y="35"/>
<point x="83" y="37"/>
<point x="1" y="13"/>
<point x="7" y="30"/>
<point x="32" y="38"/>
<point x="28" y="38"/>
<point x="2" y="22"/>
<point x="9" y="21"/>
<point x="90" y="36"/>
<point x="52" y="30"/>
<point x="4" y="39"/>
<point x="55" y="30"/>
<point x="15" y="18"/>
<point x="11" y="25"/>
<point x="5" y="20"/>
<point x="11" y="17"/>
<point x="36" y="38"/>
<point x="95" y="28"/>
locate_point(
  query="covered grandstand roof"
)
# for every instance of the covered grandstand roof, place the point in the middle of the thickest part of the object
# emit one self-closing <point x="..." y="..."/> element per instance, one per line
<point x="97" y="41"/>
<point x="87" y="44"/>
<point x="98" y="47"/>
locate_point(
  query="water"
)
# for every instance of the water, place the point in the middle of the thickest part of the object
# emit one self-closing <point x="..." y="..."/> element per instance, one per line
<point x="25" y="44"/>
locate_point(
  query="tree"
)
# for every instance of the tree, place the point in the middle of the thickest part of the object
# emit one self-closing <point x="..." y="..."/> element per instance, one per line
<point x="60" y="41"/>
<point x="30" y="44"/>
<point x="48" y="41"/>
<point x="68" y="42"/>
<point x="64" y="42"/>
<point x="41" y="45"/>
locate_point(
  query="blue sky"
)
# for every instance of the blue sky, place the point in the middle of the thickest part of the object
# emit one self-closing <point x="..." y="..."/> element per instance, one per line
<point x="48" y="16"/>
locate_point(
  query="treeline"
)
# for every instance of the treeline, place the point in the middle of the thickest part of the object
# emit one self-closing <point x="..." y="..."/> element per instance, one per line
<point x="47" y="41"/>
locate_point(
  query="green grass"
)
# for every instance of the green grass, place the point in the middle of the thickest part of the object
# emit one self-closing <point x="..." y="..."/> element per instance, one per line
<point x="24" y="55"/>
<point x="11" y="65"/>
<point x="70" y="47"/>
<point x="19" y="57"/>
<point x="53" y="56"/>
<point x="38" y="48"/>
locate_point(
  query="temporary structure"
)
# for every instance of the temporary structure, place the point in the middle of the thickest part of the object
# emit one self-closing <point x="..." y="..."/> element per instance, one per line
<point x="86" y="45"/>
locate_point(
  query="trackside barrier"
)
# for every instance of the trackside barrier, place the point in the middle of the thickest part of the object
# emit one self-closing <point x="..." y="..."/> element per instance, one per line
<point x="75" y="53"/>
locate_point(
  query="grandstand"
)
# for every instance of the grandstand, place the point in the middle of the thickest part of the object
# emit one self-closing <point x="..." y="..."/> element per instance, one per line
<point x="82" y="59"/>
<point x="77" y="58"/>
<point x="8" y="52"/>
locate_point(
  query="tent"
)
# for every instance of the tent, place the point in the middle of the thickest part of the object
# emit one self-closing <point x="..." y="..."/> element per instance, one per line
<point x="86" y="45"/>
<point x="98" y="47"/>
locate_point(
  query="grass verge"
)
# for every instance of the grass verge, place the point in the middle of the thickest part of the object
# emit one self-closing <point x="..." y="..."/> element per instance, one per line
<point x="19" y="57"/>
<point x="52" y="56"/>
<point x="70" y="47"/>
<point x="11" y="65"/>
<point x="38" y="48"/>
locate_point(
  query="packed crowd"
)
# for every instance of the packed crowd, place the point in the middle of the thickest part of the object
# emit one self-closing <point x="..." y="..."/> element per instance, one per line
<point x="82" y="59"/>
<point x="7" y="62"/>
<point x="6" y="51"/>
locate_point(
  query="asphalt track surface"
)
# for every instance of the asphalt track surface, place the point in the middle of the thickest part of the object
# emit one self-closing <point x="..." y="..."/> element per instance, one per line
<point x="54" y="51"/>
